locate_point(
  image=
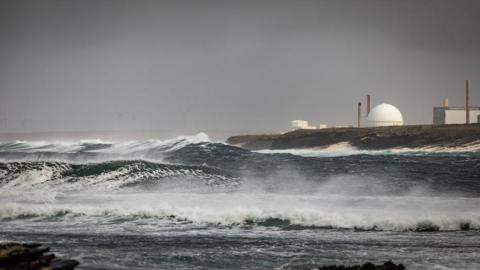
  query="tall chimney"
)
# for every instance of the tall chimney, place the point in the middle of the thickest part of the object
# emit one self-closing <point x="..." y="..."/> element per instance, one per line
<point x="359" y="115"/>
<point x="368" y="105"/>
<point x="467" y="106"/>
<point x="445" y="103"/>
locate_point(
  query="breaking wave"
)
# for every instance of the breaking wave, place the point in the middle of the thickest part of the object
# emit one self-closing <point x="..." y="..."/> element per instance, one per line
<point x="192" y="180"/>
<point x="96" y="149"/>
<point x="24" y="176"/>
<point x="135" y="190"/>
<point x="259" y="210"/>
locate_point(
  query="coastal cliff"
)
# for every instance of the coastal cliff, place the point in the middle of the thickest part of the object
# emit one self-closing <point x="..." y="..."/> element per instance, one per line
<point x="371" y="138"/>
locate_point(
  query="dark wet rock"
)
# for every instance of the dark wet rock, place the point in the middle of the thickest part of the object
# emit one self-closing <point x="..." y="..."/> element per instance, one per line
<point x="427" y="227"/>
<point x="31" y="257"/>
<point x="367" y="266"/>
<point x="389" y="265"/>
<point x="465" y="226"/>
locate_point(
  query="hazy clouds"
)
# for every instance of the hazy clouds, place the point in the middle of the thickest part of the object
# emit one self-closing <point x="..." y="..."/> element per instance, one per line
<point x="229" y="65"/>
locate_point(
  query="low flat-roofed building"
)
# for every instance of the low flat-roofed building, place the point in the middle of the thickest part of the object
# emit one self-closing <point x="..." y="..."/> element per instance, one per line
<point x="300" y="124"/>
<point x="454" y="115"/>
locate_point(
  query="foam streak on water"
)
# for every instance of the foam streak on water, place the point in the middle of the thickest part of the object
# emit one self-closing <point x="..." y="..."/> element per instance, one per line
<point x="346" y="149"/>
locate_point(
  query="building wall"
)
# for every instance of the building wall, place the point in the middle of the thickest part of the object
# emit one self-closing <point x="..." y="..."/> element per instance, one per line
<point x="458" y="116"/>
<point x="299" y="124"/>
<point x="438" y="116"/>
<point x="474" y="116"/>
<point x="443" y="116"/>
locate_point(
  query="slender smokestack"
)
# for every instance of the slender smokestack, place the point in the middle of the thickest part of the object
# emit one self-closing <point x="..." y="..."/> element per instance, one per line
<point x="368" y="105"/>
<point x="359" y="114"/>
<point x="467" y="106"/>
<point x="445" y="102"/>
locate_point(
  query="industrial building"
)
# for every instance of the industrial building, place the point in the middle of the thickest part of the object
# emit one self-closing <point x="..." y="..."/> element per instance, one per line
<point x="454" y="115"/>
<point x="457" y="115"/>
<point x="384" y="115"/>
<point x="380" y="116"/>
<point x="388" y="115"/>
<point x="300" y="124"/>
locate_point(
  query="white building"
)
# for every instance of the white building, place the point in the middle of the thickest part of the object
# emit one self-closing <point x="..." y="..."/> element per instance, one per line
<point x="384" y="115"/>
<point x="454" y="115"/>
<point x="300" y="124"/>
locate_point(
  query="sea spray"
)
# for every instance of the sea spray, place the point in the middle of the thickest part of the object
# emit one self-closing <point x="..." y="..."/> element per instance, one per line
<point x="189" y="198"/>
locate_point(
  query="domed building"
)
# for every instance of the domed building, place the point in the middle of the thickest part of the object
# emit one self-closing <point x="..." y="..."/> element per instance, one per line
<point x="384" y="115"/>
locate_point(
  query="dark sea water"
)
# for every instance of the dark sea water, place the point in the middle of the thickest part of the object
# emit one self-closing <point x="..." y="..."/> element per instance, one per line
<point x="189" y="203"/>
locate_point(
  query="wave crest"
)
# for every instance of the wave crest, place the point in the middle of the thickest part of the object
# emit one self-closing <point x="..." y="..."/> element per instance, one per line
<point x="96" y="149"/>
<point x="241" y="217"/>
<point x="109" y="175"/>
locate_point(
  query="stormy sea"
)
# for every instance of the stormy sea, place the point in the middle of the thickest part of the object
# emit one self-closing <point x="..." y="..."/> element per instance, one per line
<point x="193" y="203"/>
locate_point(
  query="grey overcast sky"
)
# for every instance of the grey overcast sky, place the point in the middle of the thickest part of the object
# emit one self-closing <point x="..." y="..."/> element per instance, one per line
<point x="77" y="65"/>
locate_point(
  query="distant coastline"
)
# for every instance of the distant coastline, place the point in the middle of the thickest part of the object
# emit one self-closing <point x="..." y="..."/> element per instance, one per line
<point x="376" y="138"/>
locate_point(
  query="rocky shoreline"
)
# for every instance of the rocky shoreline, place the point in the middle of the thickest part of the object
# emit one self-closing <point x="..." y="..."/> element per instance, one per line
<point x="365" y="138"/>
<point x="367" y="266"/>
<point x="15" y="256"/>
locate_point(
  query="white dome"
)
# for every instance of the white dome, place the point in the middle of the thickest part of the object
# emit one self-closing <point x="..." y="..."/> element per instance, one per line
<point x="384" y="115"/>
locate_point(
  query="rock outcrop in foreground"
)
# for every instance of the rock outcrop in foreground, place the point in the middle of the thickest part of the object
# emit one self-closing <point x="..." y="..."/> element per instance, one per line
<point x="31" y="257"/>
<point x="367" y="266"/>
<point x="365" y="138"/>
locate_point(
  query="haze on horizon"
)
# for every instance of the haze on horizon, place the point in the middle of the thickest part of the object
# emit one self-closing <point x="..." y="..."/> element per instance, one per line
<point x="230" y="65"/>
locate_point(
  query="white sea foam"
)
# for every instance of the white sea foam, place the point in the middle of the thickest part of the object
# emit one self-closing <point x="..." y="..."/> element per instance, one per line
<point x="337" y="203"/>
<point x="58" y="145"/>
<point x="395" y="213"/>
<point x="104" y="150"/>
<point x="109" y="150"/>
<point x="346" y="149"/>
